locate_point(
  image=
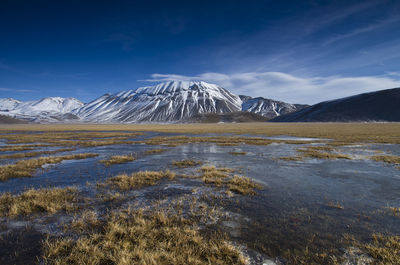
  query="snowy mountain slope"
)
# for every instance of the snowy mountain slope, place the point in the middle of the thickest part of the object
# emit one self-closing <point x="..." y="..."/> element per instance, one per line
<point x="7" y="104"/>
<point x="49" y="104"/>
<point x="267" y="107"/>
<point x="165" y="102"/>
<point x="48" y="109"/>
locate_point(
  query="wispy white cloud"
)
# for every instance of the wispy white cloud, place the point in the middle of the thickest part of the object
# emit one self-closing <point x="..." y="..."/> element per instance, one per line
<point x="393" y="73"/>
<point x="361" y="30"/>
<point x="287" y="87"/>
<point x="6" y="89"/>
<point x="317" y="22"/>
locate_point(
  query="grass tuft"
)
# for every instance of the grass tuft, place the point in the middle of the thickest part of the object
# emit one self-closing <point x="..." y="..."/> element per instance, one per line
<point x="213" y="175"/>
<point x="186" y="163"/>
<point x="118" y="159"/>
<point x="243" y="185"/>
<point x="33" y="154"/>
<point x="389" y="159"/>
<point x="46" y="200"/>
<point x="136" y="237"/>
<point x="384" y="249"/>
<point x="72" y="138"/>
<point x="291" y="158"/>
<point x="314" y="153"/>
<point x="139" y="179"/>
<point x="26" y="168"/>
<point x="238" y="153"/>
<point x="155" y="151"/>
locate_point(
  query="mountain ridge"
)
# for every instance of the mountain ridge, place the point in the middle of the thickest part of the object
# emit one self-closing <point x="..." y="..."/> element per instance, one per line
<point x="269" y="108"/>
<point x="48" y="109"/>
<point x="178" y="101"/>
<point x="382" y="105"/>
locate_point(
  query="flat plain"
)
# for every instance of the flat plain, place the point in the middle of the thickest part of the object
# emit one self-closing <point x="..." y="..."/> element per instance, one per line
<point x="244" y="193"/>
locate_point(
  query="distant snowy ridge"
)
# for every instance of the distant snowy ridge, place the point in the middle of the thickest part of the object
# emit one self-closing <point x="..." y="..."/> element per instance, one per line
<point x="46" y="109"/>
<point x="269" y="108"/>
<point x="7" y="104"/>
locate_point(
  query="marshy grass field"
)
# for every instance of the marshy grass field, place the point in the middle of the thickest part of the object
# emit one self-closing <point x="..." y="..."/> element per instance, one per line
<point x="249" y="193"/>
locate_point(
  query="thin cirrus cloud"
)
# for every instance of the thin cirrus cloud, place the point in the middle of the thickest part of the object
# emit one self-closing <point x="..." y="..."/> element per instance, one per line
<point x="366" y="29"/>
<point x="287" y="87"/>
<point x="13" y="90"/>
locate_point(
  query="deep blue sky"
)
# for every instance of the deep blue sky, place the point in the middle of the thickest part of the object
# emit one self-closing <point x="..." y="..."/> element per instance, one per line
<point x="298" y="51"/>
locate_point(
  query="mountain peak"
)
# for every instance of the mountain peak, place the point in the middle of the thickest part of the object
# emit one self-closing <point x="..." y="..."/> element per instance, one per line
<point x="7" y="104"/>
<point x="176" y="86"/>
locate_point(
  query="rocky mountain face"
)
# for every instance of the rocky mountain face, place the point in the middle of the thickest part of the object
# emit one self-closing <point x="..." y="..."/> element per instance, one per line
<point x="383" y="105"/>
<point x="10" y="120"/>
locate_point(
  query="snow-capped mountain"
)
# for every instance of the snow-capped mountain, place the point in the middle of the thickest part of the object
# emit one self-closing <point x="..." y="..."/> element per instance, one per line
<point x="45" y="109"/>
<point x="165" y="102"/>
<point x="7" y="104"/>
<point x="267" y="107"/>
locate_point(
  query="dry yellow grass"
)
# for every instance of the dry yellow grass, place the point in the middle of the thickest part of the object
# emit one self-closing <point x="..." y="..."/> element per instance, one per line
<point x="87" y="143"/>
<point x="88" y="219"/>
<point x="22" y="147"/>
<point x="394" y="210"/>
<point x="343" y="132"/>
<point x="214" y="180"/>
<point x="205" y="169"/>
<point x="26" y="168"/>
<point x="291" y="158"/>
<point x="219" y="177"/>
<point x="54" y="137"/>
<point x="118" y="159"/>
<point x="33" y="154"/>
<point x="214" y="176"/>
<point x="139" y="179"/>
<point x="186" y="163"/>
<point x="390" y="159"/>
<point x="384" y="249"/>
<point x="155" y="151"/>
<point x="136" y="237"/>
<point x="243" y="185"/>
<point x="50" y="200"/>
<point x="313" y="153"/>
<point x="238" y="153"/>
